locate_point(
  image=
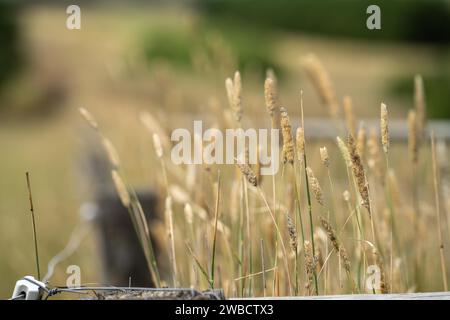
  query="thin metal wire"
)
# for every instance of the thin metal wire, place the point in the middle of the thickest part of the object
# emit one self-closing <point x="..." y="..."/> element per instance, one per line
<point x="193" y="292"/>
<point x="23" y="296"/>
<point x="37" y="284"/>
<point x="85" y="290"/>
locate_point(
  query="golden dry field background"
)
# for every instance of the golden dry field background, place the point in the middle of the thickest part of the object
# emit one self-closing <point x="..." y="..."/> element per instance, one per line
<point x="102" y="68"/>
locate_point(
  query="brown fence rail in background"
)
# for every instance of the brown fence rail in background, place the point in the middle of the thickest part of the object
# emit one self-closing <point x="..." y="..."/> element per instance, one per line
<point x="324" y="128"/>
<point x="399" y="296"/>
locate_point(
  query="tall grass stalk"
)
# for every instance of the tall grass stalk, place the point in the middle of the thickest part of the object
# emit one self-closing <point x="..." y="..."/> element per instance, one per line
<point x="159" y="153"/>
<point x="33" y="221"/>
<point x="283" y="247"/>
<point x="263" y="267"/>
<point x="299" y="219"/>
<point x="308" y="196"/>
<point x="272" y="105"/>
<point x="385" y="141"/>
<point x="414" y="157"/>
<point x="326" y="163"/>
<point x="438" y="211"/>
<point x="302" y="233"/>
<point x="129" y="200"/>
<point x="300" y="148"/>
<point x="171" y="236"/>
<point x="241" y="239"/>
<point x="216" y="219"/>
<point x="199" y="265"/>
<point x="249" y="238"/>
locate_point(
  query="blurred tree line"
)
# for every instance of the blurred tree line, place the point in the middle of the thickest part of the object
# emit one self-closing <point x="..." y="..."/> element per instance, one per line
<point x="10" y="53"/>
<point x="248" y="30"/>
<point x="402" y="20"/>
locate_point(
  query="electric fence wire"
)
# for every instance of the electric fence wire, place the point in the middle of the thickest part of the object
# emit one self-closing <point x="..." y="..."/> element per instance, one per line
<point x="49" y="292"/>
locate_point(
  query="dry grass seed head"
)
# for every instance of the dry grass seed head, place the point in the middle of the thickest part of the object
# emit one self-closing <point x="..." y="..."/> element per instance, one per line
<point x="292" y="233"/>
<point x="178" y="193"/>
<point x="153" y="125"/>
<point x="309" y="265"/>
<point x="379" y="262"/>
<point x="346" y="196"/>
<point x="270" y="95"/>
<point x="331" y="233"/>
<point x="315" y="186"/>
<point x="322" y="83"/>
<point x="89" y="118"/>
<point x="324" y="157"/>
<point x="121" y="189"/>
<point x="359" y="173"/>
<point x="384" y="128"/>
<point x="419" y="101"/>
<point x="157" y="145"/>
<point x="345" y="259"/>
<point x="271" y="74"/>
<point x="288" y="143"/>
<point x="229" y="86"/>
<point x="361" y="140"/>
<point x="234" y="93"/>
<point x="247" y="172"/>
<point x="237" y="98"/>
<point x="188" y="214"/>
<point x="258" y="165"/>
<point x="344" y="152"/>
<point x="374" y="160"/>
<point x="111" y="153"/>
<point x="300" y="143"/>
<point x="412" y="136"/>
<point x="168" y="207"/>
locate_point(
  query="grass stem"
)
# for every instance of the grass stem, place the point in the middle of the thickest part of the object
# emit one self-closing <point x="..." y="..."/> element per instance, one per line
<point x="33" y="220"/>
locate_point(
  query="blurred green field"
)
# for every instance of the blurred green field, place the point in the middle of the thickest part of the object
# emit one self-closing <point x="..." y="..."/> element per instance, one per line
<point x="109" y="68"/>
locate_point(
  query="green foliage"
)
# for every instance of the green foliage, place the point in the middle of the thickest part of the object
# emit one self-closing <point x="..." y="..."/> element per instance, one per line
<point x="246" y="48"/>
<point x="170" y="46"/>
<point x="412" y="20"/>
<point x="10" y="58"/>
<point x="437" y="93"/>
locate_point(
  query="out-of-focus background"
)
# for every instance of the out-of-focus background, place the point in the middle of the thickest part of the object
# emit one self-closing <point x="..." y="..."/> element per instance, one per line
<point x="172" y="59"/>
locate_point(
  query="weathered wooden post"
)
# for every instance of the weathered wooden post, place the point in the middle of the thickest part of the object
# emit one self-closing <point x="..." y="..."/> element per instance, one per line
<point x="121" y="255"/>
<point x="122" y="258"/>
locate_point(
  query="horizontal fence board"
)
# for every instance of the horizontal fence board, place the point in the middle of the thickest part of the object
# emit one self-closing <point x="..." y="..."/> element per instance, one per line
<point x="322" y="128"/>
<point x="398" y="129"/>
<point x="400" y="296"/>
